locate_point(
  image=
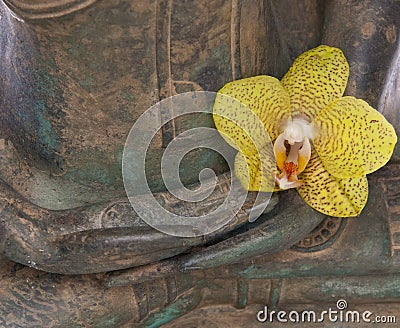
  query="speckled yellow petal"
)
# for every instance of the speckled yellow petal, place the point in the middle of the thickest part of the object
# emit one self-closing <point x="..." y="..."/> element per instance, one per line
<point x="316" y="78"/>
<point x="329" y="195"/>
<point x="264" y="95"/>
<point x="239" y="126"/>
<point x="353" y="139"/>
<point x="256" y="172"/>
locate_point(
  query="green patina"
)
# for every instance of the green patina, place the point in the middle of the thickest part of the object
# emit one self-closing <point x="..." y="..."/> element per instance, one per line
<point x="40" y="111"/>
<point x="96" y="167"/>
<point x="48" y="140"/>
<point x="379" y="287"/>
<point x="111" y="320"/>
<point x="212" y="71"/>
<point x="171" y="312"/>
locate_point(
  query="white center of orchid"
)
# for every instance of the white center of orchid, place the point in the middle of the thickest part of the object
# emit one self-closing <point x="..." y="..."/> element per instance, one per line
<point x="293" y="151"/>
<point x="296" y="130"/>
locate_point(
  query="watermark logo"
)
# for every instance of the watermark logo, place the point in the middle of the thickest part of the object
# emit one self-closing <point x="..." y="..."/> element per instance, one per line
<point x="340" y="313"/>
<point x="152" y="208"/>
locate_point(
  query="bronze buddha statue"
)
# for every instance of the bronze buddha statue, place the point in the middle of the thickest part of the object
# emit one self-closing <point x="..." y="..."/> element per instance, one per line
<point x="77" y="74"/>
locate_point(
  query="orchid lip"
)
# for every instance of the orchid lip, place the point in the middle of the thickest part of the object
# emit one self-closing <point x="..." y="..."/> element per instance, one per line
<point x="283" y="183"/>
<point x="292" y="152"/>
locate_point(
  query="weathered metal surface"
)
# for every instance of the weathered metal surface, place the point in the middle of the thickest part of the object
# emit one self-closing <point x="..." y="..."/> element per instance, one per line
<point x="85" y="80"/>
<point x="367" y="31"/>
<point x="89" y="95"/>
<point x="367" y="274"/>
<point x="104" y="237"/>
<point x="73" y="80"/>
<point x="87" y="76"/>
<point x="31" y="9"/>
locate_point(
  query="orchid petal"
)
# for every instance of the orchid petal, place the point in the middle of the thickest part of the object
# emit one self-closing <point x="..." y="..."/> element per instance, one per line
<point x="354" y="139"/>
<point x="264" y="95"/>
<point x="239" y="125"/>
<point x="329" y="195"/>
<point x="256" y="172"/>
<point x="315" y="79"/>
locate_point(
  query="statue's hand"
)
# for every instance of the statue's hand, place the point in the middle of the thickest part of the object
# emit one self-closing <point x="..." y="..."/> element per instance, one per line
<point x="109" y="237"/>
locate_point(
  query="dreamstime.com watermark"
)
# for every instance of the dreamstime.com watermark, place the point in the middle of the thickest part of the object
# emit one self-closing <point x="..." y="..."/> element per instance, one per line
<point x="340" y="313"/>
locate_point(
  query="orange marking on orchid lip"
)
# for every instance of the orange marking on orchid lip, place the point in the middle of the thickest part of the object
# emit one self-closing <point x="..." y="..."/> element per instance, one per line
<point x="290" y="172"/>
<point x="290" y="168"/>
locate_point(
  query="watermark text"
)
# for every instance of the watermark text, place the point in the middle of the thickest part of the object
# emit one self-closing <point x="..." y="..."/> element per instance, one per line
<point x="338" y="314"/>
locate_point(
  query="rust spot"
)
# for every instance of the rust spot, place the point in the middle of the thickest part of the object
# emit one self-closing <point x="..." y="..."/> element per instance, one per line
<point x="391" y="34"/>
<point x="368" y="30"/>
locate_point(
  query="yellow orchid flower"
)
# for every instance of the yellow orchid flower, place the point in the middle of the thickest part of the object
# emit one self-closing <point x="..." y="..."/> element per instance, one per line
<point x="324" y="143"/>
